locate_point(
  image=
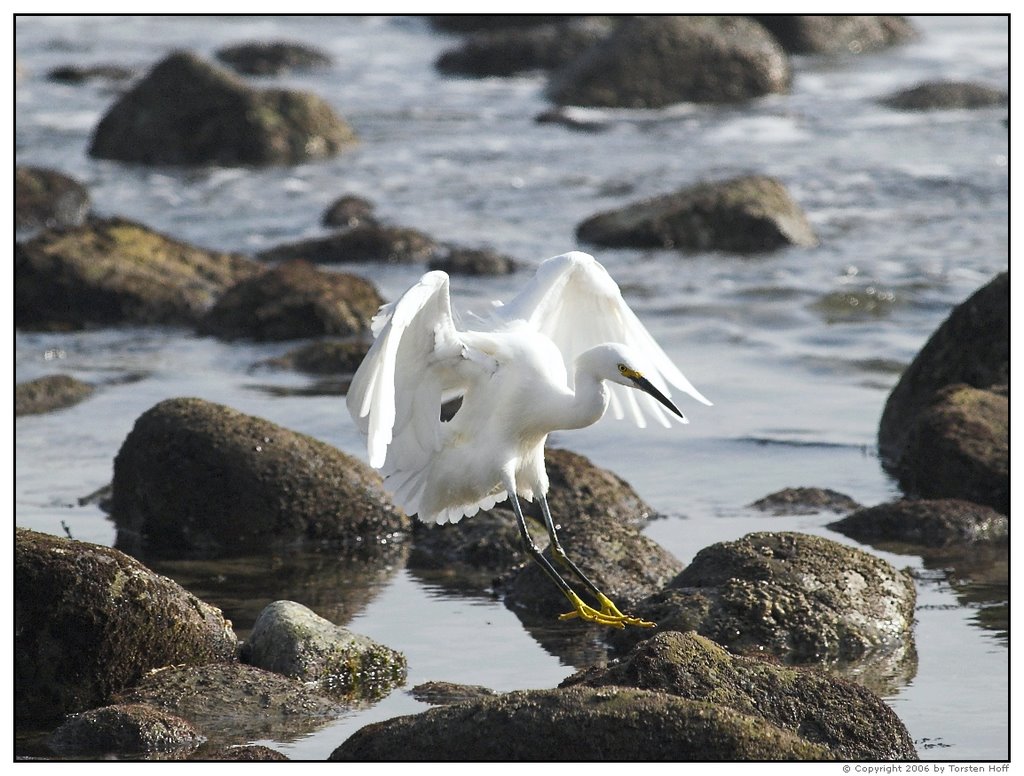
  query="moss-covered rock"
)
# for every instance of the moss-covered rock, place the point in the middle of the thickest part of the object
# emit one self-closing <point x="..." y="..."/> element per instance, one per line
<point x="293" y="301"/>
<point x="368" y="241"/>
<point x="323" y="357"/>
<point x="947" y="95"/>
<point x="124" y="729"/>
<point x="289" y="638"/>
<point x="189" y="111"/>
<point x="91" y="621"/>
<point x="52" y="392"/>
<point x="113" y="271"/>
<point x="834" y="34"/>
<point x="578" y="724"/>
<point x="473" y="261"/>
<point x="926" y="522"/>
<point x="651" y="62"/>
<point x="746" y="214"/>
<point x="197" y="479"/>
<point x="271" y="57"/>
<point x="45" y="199"/>
<point x="805" y="501"/>
<point x="850" y="720"/>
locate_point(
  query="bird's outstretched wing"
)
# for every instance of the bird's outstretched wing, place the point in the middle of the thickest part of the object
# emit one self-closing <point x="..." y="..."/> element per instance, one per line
<point x="417" y="358"/>
<point x="574" y="301"/>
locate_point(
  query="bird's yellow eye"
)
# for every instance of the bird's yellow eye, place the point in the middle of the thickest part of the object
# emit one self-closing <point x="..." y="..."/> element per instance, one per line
<point x="623" y="368"/>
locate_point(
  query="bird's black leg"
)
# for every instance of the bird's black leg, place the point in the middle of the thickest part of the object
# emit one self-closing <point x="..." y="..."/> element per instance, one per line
<point x="580" y="609"/>
<point x="608" y="608"/>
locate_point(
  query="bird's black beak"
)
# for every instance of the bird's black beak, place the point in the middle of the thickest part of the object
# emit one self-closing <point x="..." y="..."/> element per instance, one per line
<point x="645" y="385"/>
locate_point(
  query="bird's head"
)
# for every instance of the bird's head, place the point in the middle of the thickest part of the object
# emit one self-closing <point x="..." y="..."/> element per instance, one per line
<point x="616" y="363"/>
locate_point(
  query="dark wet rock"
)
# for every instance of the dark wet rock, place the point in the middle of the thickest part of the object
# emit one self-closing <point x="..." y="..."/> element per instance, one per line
<point x="289" y="638"/>
<point x="368" y="241"/>
<point x="348" y="211"/>
<point x="463" y="23"/>
<point x="114" y="271"/>
<point x="187" y="110"/>
<point x="929" y="522"/>
<point x="971" y="346"/>
<point x="236" y="703"/>
<point x="746" y="214"/>
<point x="508" y="51"/>
<point x="800" y="597"/>
<point x="848" y="719"/>
<point x="76" y="74"/>
<point x="251" y="485"/>
<point x="577" y="724"/>
<point x="651" y="62"/>
<point x="46" y="394"/>
<point x="959" y="447"/>
<point x="805" y="501"/>
<point x="90" y="621"/>
<point x="837" y="34"/>
<point x="947" y="95"/>
<point x="323" y="357"/>
<point x="246" y="753"/>
<point x="292" y="301"/>
<point x="474" y="261"/>
<point x="45" y="199"/>
<point x="131" y="728"/>
<point x="271" y="58"/>
<point x="573" y="119"/>
<point x="444" y="693"/>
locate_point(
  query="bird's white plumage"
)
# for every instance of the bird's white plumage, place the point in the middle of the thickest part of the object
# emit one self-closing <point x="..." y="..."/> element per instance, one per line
<point x="517" y="376"/>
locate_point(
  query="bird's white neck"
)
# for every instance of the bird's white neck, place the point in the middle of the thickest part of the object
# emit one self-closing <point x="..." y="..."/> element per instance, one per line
<point x="589" y="402"/>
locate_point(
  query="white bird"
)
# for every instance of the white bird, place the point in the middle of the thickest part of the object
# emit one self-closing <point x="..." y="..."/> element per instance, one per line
<point x="556" y="357"/>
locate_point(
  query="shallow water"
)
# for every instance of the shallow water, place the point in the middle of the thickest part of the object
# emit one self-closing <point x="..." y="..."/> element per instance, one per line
<point x="798" y="349"/>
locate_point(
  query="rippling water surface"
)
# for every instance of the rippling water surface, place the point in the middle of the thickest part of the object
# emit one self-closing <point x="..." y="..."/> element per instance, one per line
<point x="798" y="349"/>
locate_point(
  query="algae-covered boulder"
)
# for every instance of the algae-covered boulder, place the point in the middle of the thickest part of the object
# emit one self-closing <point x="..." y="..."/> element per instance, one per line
<point x="925" y="522"/>
<point x="272" y="57"/>
<point x="90" y="621"/>
<point x="52" y="392"/>
<point x="46" y="198"/>
<point x="194" y="479"/>
<point x="124" y="729"/>
<point x="947" y="95"/>
<point x="189" y="111"/>
<point x="835" y="34"/>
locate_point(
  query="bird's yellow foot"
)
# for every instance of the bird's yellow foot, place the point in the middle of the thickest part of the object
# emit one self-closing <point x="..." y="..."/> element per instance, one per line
<point x="609" y="614"/>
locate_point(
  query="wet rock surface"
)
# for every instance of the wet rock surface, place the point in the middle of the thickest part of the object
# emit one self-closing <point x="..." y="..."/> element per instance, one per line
<point x="45" y="199"/>
<point x="272" y="58"/>
<point x="289" y="638"/>
<point x="124" y="729"/>
<point x="928" y="522"/>
<point x="49" y="393"/>
<point x="348" y="211"/>
<point x="366" y="242"/>
<point x="959" y="447"/>
<point x="113" y="271"/>
<point x="746" y="214"/>
<point x="76" y="74"/>
<point x="850" y="720"/>
<point x="835" y="34"/>
<point x="805" y="501"/>
<point x="651" y="62"/>
<point x="323" y="357"/>
<point x="245" y="753"/>
<point x="187" y="110"/>
<point x="971" y="346"/>
<point x="577" y="724"/>
<point x="293" y="301"/>
<point x="795" y="596"/>
<point x="947" y="95"/>
<point x="91" y="621"/>
<point x="473" y="261"/>
<point x="251" y="485"/>
<point x="444" y="693"/>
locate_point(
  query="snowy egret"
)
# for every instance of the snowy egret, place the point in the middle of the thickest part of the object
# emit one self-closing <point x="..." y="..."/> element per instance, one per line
<point x="556" y="357"/>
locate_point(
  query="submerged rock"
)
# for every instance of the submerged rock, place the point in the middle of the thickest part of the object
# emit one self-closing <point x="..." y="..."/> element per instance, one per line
<point x="746" y="214"/>
<point x="805" y="501"/>
<point x="850" y="720"/>
<point x="651" y="62"/>
<point x="366" y="242"/>
<point x="91" y="621"/>
<point x="290" y="639"/>
<point x="959" y="447"/>
<point x="444" y="693"/>
<point x="293" y="301"/>
<point x="251" y="485"/>
<point x="187" y="110"/>
<point x="803" y="598"/>
<point x="46" y="394"/>
<point x="271" y="58"/>
<point x="323" y="357"/>
<point x="113" y="271"/>
<point x="237" y="703"/>
<point x="928" y="522"/>
<point x="834" y="34"/>
<point x="971" y="346"/>
<point x="124" y="729"/>
<point x="577" y="724"/>
<point x="947" y="95"/>
<point x="46" y="199"/>
<point x="348" y="211"/>
<point x="76" y="74"/>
